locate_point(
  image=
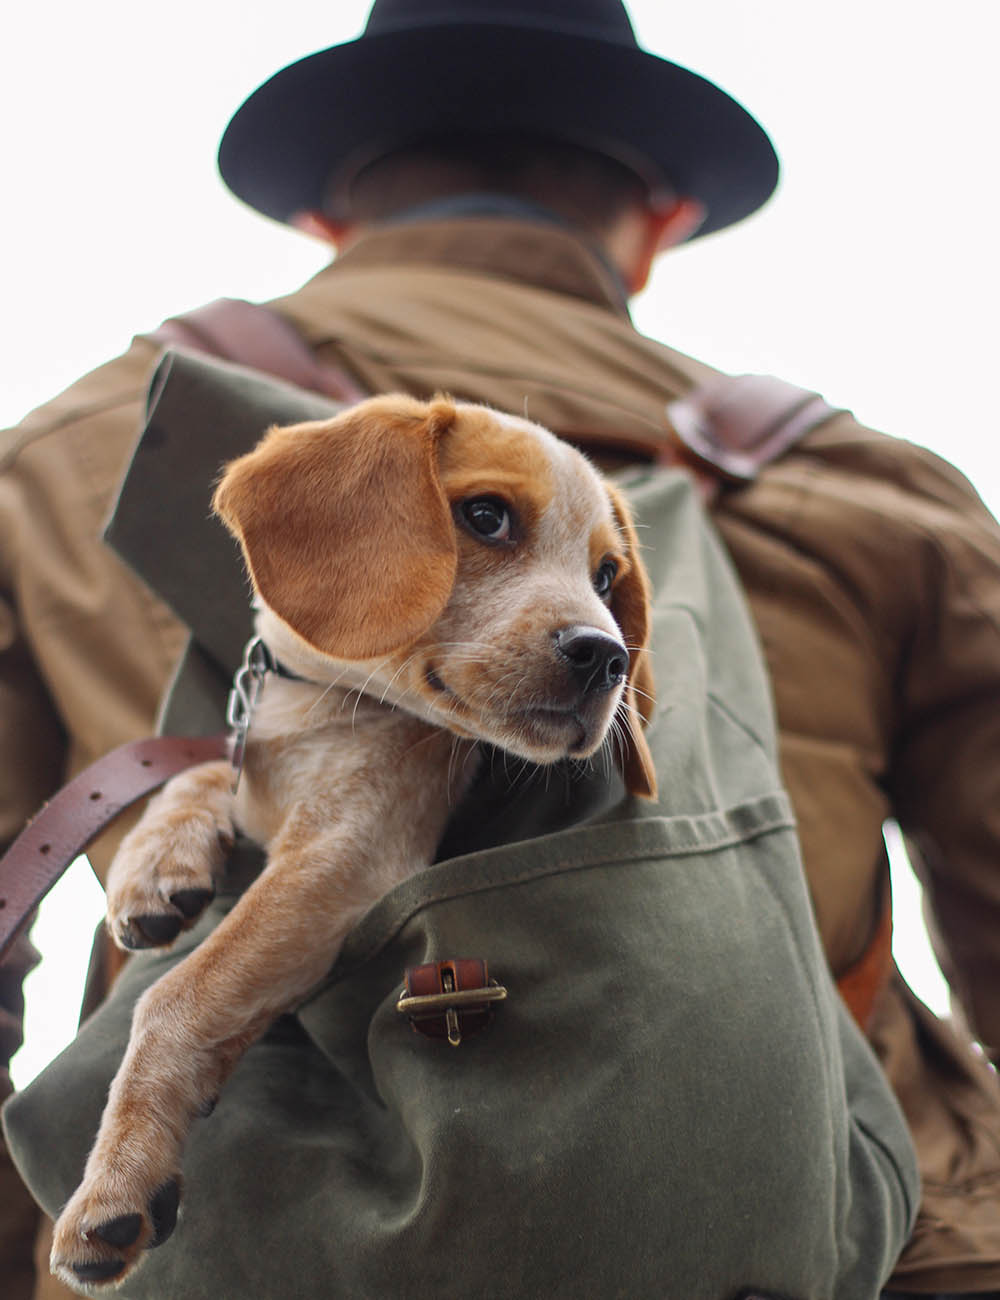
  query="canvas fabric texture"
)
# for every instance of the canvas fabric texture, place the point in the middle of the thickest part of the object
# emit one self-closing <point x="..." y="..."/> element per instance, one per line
<point x="870" y="567"/>
<point x="574" y="1146"/>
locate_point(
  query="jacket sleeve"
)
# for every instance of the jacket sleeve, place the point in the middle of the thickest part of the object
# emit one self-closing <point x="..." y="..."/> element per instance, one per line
<point x="84" y="647"/>
<point x="32" y="744"/>
<point x="946" y="778"/>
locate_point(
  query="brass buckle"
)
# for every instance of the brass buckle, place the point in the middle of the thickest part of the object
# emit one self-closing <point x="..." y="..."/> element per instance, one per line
<point x="449" y="999"/>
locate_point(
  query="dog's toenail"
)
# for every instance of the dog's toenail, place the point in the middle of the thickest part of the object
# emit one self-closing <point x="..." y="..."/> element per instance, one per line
<point x="192" y="901"/>
<point x="99" y="1270"/>
<point x="163" y="1212"/>
<point x="122" y="1231"/>
<point x="207" y="1106"/>
<point x="131" y="937"/>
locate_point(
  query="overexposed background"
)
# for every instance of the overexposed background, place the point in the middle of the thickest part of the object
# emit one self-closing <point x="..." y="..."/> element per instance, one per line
<point x="872" y="276"/>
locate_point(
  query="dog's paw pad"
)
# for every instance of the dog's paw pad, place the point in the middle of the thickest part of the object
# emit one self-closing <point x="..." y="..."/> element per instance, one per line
<point x="121" y="1240"/>
<point x="152" y="931"/>
<point x="98" y="1271"/>
<point x="123" y="1231"/>
<point x="163" y="1212"/>
<point x="192" y="901"/>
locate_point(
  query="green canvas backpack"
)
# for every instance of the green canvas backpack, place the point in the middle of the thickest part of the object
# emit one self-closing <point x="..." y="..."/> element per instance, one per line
<point x="670" y="1102"/>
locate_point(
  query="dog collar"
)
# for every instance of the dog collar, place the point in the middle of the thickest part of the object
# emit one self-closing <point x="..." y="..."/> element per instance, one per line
<point x="248" y="682"/>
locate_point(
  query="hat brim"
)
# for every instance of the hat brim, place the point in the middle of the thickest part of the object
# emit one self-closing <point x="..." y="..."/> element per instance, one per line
<point x="336" y="110"/>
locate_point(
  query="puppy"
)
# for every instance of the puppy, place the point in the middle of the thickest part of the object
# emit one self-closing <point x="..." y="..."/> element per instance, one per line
<point x="431" y="578"/>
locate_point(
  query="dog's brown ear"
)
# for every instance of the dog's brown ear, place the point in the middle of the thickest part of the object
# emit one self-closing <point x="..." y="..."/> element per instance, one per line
<point x="344" y="525"/>
<point x="630" y="605"/>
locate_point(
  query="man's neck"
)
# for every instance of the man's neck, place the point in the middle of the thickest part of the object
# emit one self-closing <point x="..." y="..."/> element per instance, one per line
<point x="478" y="203"/>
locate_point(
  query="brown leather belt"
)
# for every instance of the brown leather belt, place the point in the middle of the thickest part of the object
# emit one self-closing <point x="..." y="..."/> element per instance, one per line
<point x="65" y="825"/>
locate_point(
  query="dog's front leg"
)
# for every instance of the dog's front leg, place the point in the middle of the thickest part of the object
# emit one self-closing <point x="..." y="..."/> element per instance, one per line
<point x="164" y="872"/>
<point x="189" y="1030"/>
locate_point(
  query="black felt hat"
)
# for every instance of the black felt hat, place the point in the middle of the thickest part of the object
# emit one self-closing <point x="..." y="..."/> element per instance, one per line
<point x="568" y="69"/>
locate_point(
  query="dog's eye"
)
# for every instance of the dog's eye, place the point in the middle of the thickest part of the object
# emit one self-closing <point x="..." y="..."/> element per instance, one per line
<point x="604" y="579"/>
<point x="489" y="517"/>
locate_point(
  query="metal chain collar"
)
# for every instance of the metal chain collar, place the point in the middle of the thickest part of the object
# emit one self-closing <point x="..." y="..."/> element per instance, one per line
<point x="248" y="682"/>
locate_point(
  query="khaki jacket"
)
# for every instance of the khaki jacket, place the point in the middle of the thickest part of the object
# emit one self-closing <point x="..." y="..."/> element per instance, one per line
<point x="871" y="567"/>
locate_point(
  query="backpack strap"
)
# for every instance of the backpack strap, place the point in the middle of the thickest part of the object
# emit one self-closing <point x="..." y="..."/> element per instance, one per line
<point x="735" y="424"/>
<point x="65" y="825"/>
<point x="253" y="335"/>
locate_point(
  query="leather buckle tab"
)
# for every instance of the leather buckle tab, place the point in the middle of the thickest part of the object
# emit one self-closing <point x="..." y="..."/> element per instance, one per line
<point x="450" y="999"/>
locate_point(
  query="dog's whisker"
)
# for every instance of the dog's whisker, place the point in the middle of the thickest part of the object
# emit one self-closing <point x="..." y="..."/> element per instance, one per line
<point x="472" y="754"/>
<point x="330" y="686"/>
<point x="418" y="744"/>
<point x="603" y="758"/>
<point x="358" y="690"/>
<point x="450" y="777"/>
<point x="361" y="691"/>
<point x="617" y="744"/>
<point x="485" y="646"/>
<point x="634" y="716"/>
<point x="401" y="669"/>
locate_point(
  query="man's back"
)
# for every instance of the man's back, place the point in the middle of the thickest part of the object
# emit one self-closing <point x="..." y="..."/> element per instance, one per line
<point x="395" y="321"/>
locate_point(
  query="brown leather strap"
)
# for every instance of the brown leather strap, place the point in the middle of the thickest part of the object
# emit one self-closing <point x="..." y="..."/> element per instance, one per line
<point x="255" y="336"/>
<point x="73" y="817"/>
<point x="736" y="424"/>
<point x="450" y="999"/>
<point x="861" y="984"/>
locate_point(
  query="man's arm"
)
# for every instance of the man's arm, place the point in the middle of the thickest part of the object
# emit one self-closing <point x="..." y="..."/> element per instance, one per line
<point x="947" y="779"/>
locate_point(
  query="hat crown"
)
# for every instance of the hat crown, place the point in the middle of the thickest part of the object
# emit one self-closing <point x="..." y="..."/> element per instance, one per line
<point x="605" y="20"/>
<point x="563" y="69"/>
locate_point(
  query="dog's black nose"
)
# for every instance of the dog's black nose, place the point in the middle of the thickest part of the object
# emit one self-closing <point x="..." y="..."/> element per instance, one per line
<point x="597" y="660"/>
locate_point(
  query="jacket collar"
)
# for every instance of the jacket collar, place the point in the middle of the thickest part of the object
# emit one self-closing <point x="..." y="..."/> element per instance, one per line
<point x="525" y="249"/>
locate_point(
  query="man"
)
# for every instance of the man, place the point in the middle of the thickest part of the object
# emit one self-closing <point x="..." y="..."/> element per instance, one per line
<point x="495" y="260"/>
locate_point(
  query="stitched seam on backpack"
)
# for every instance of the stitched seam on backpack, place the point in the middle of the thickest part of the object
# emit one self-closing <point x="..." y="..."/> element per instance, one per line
<point x="780" y="819"/>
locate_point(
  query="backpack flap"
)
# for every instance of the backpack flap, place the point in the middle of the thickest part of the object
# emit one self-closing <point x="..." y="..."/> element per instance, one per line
<point x="200" y="413"/>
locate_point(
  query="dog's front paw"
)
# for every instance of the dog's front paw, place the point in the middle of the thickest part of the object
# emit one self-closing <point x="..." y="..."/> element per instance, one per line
<point x="98" y="1239"/>
<point x="161" y="881"/>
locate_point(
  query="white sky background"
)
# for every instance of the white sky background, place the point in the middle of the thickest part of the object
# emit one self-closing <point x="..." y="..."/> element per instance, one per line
<point x="872" y="276"/>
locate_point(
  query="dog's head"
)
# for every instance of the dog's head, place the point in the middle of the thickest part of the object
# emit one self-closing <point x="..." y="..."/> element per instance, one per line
<point x="459" y="562"/>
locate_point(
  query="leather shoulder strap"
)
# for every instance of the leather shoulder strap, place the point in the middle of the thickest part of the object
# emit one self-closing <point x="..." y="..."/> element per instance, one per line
<point x="735" y="424"/>
<point x="73" y="817"/>
<point x="253" y="335"/>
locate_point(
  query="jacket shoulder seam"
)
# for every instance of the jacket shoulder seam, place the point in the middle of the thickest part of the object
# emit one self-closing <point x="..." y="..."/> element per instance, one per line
<point x="14" y="440"/>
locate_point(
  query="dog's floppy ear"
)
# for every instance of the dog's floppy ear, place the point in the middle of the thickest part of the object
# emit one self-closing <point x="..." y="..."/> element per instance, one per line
<point x="630" y="605"/>
<point x="345" y="527"/>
